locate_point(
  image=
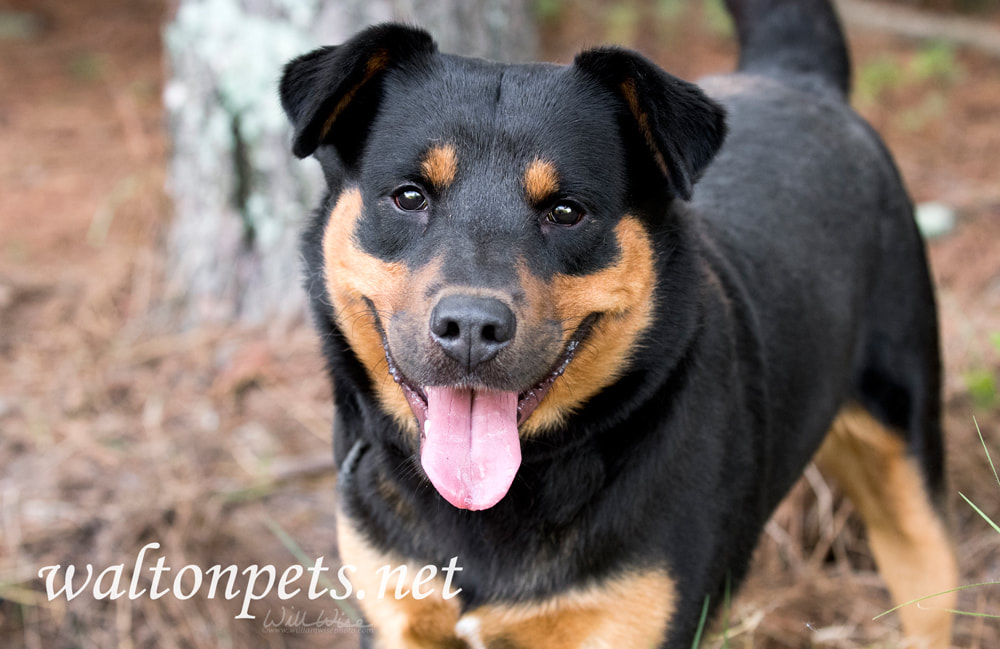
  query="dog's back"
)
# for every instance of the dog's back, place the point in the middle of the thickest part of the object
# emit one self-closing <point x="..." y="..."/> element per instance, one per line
<point x="806" y="185"/>
<point x="800" y="167"/>
<point x="830" y="182"/>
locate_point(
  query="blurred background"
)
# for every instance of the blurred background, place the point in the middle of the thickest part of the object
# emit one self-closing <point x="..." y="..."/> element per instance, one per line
<point x="159" y="381"/>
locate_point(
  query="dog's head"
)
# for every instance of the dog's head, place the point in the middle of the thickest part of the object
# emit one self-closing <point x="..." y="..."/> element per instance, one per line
<point x="488" y="248"/>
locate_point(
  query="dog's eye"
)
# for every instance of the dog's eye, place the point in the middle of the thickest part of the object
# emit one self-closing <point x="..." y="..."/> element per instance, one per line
<point x="409" y="199"/>
<point x="565" y="213"/>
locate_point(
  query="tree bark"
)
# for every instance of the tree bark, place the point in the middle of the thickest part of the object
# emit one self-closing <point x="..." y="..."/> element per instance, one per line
<point x="240" y="197"/>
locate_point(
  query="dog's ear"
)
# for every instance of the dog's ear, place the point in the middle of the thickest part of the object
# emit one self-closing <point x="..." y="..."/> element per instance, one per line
<point x="682" y="127"/>
<point x="331" y="94"/>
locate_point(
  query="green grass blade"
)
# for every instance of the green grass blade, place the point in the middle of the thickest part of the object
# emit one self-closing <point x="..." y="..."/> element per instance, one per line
<point x="988" y="458"/>
<point x="971" y="614"/>
<point x="701" y="624"/>
<point x="926" y="597"/>
<point x="727" y="605"/>
<point x="980" y="512"/>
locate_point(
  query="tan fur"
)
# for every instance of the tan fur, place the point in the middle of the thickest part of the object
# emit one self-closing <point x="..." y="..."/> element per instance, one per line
<point x="541" y="181"/>
<point x="623" y="293"/>
<point x="376" y="64"/>
<point x="632" y="610"/>
<point x="906" y="534"/>
<point x="407" y="622"/>
<point x="440" y="166"/>
<point x="351" y="275"/>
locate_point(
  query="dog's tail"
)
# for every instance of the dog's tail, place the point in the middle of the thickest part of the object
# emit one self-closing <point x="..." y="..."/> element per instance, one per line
<point x="801" y="37"/>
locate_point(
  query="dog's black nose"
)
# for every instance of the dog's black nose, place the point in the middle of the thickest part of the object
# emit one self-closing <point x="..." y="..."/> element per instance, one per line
<point x="472" y="329"/>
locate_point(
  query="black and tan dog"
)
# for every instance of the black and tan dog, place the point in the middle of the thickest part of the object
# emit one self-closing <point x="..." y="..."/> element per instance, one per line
<point x="557" y="359"/>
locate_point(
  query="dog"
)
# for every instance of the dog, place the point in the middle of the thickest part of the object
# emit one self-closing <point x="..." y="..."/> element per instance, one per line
<point x="586" y="325"/>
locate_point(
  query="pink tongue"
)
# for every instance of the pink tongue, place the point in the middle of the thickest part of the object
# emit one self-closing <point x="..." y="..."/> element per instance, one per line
<point x="470" y="449"/>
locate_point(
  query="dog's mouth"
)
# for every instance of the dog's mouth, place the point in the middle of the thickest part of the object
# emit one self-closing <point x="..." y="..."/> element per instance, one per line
<point x="469" y="443"/>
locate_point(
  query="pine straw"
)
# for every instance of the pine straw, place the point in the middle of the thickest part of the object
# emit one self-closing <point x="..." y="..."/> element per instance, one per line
<point x="197" y="441"/>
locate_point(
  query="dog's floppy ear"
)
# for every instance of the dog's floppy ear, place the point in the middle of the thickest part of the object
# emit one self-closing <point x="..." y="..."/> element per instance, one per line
<point x="330" y="94"/>
<point x="682" y="127"/>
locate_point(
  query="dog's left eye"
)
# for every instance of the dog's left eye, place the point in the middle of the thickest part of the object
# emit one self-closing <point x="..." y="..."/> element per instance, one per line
<point x="565" y="213"/>
<point x="409" y="199"/>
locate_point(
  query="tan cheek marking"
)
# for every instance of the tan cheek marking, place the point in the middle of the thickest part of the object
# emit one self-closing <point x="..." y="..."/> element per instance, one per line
<point x="352" y="275"/>
<point x="540" y="181"/>
<point x="405" y="622"/>
<point x="440" y="166"/>
<point x="908" y="538"/>
<point x="377" y="63"/>
<point x="624" y="294"/>
<point x="629" y="611"/>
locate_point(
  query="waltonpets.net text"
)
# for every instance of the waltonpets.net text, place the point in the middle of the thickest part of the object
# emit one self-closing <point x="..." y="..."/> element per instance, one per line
<point x="257" y="581"/>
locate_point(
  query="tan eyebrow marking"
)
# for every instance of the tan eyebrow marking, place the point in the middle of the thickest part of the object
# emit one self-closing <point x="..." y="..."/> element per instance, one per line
<point x="440" y="165"/>
<point x="541" y="180"/>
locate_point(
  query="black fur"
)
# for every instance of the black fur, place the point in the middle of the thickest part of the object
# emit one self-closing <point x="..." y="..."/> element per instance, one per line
<point x="790" y="281"/>
<point x="803" y="38"/>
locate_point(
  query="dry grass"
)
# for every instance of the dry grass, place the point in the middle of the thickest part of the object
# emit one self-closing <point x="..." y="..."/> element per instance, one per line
<point x="117" y="429"/>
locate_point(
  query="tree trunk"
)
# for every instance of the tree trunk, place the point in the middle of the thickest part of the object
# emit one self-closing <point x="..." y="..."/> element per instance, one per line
<point x="240" y="197"/>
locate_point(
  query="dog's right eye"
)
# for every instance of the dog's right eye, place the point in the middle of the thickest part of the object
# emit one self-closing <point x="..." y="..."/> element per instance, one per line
<point x="409" y="199"/>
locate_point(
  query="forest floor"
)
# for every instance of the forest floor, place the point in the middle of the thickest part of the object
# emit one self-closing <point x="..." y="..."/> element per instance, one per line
<point x="118" y="428"/>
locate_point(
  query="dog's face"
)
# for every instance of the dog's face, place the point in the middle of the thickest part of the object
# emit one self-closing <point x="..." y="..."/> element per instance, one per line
<point x="488" y="255"/>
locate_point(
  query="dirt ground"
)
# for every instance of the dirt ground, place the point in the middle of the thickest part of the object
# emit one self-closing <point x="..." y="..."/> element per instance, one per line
<point x="119" y="429"/>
